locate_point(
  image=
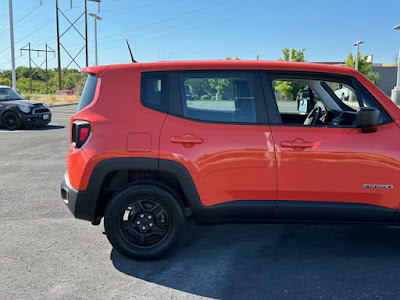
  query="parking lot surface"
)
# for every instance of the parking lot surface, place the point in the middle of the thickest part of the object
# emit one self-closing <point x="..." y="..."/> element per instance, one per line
<point x="47" y="254"/>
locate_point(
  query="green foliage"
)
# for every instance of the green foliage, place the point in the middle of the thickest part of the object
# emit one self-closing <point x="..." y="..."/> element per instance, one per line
<point x="230" y="58"/>
<point x="72" y="79"/>
<point x="364" y="67"/>
<point x="288" y="89"/>
<point x="293" y="55"/>
<point x="207" y="88"/>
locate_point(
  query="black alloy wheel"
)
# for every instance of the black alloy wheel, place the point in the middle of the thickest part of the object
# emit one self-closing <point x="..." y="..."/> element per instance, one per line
<point x="11" y="121"/>
<point x="144" y="221"/>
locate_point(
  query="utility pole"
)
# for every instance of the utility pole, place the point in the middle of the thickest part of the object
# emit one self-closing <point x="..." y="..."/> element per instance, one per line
<point x="46" y="50"/>
<point x="71" y="26"/>
<point x="86" y="39"/>
<point x="30" y="68"/>
<point x="13" y="75"/>
<point x="47" y="74"/>
<point x="58" y="47"/>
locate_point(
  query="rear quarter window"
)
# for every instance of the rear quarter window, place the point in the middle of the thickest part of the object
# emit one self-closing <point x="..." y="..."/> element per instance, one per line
<point x="88" y="92"/>
<point x="154" y="90"/>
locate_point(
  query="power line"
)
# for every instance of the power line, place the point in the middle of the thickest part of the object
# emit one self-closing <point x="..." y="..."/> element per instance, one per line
<point x="20" y="19"/>
<point x="46" y="50"/>
<point x="165" y="20"/>
<point x="33" y="32"/>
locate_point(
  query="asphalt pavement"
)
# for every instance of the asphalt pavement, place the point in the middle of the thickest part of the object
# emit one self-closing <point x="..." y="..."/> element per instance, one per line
<point x="47" y="254"/>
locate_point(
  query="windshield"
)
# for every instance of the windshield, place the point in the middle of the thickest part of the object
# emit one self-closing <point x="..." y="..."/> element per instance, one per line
<point x="8" y="94"/>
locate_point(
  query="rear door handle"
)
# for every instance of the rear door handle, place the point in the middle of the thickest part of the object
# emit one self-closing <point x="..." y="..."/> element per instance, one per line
<point x="292" y="144"/>
<point x="186" y="139"/>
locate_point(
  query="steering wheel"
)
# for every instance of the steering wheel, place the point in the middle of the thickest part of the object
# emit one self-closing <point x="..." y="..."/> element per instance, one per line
<point x="313" y="116"/>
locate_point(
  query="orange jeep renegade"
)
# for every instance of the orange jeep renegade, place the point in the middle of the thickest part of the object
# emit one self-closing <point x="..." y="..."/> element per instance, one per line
<point x="155" y="144"/>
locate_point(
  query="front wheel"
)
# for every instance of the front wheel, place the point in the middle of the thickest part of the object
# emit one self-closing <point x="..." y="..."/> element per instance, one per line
<point x="11" y="121"/>
<point x="144" y="221"/>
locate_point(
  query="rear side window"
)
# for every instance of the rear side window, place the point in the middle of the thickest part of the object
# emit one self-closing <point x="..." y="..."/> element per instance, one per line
<point x="219" y="96"/>
<point x="88" y="92"/>
<point x="154" y="91"/>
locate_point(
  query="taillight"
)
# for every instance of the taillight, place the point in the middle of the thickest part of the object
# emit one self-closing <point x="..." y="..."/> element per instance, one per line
<point x="80" y="133"/>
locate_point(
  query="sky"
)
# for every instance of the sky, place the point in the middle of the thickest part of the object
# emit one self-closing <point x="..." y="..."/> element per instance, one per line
<point x="204" y="29"/>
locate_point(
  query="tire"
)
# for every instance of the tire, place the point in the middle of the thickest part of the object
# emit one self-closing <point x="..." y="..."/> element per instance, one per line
<point x="11" y="121"/>
<point x="144" y="221"/>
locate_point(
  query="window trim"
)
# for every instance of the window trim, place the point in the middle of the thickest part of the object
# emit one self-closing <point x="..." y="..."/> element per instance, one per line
<point x="176" y="101"/>
<point x="164" y="107"/>
<point x="267" y="77"/>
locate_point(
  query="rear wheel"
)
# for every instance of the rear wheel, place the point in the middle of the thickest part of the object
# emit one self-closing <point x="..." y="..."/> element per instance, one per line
<point x="144" y="221"/>
<point x="11" y="121"/>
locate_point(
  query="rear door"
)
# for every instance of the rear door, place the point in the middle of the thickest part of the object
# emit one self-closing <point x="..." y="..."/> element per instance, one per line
<point x="217" y="129"/>
<point x="334" y="171"/>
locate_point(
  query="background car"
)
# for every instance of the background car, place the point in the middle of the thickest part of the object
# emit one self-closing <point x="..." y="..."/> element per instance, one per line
<point x="16" y="113"/>
<point x="343" y="93"/>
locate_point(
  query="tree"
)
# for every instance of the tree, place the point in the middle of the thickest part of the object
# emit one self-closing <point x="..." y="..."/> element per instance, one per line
<point x="364" y="67"/>
<point x="72" y="80"/>
<point x="230" y="58"/>
<point x="288" y="89"/>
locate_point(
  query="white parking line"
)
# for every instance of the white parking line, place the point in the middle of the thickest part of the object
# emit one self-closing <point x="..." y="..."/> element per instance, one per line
<point x="5" y="131"/>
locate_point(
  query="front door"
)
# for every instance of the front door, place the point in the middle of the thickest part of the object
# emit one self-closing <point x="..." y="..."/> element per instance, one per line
<point x="327" y="169"/>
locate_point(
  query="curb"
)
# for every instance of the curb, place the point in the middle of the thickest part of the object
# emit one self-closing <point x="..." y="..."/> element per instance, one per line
<point x="59" y="105"/>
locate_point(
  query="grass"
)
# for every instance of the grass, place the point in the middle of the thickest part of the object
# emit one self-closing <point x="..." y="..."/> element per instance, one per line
<point x="52" y="99"/>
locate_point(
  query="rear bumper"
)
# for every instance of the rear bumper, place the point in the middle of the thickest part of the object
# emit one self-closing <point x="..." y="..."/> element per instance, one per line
<point x="78" y="202"/>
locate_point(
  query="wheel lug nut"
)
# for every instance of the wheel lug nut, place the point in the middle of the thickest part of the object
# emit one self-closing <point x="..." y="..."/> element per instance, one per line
<point x="149" y="217"/>
<point x="138" y="222"/>
<point x="143" y="228"/>
<point x="142" y="216"/>
<point x="151" y="224"/>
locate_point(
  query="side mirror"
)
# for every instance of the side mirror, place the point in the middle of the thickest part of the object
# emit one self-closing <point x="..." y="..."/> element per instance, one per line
<point x="367" y="119"/>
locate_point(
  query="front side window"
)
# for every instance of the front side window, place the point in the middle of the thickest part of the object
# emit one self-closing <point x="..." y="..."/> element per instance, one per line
<point x="319" y="102"/>
<point x="218" y="96"/>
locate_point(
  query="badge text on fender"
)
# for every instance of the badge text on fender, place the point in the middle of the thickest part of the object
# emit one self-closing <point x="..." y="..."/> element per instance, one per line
<point x="377" y="186"/>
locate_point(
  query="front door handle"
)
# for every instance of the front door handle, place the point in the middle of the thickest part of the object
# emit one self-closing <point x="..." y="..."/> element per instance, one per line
<point x="297" y="144"/>
<point x="186" y="139"/>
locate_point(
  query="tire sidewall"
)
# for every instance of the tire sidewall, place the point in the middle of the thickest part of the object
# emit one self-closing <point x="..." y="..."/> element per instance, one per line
<point x="17" y="124"/>
<point x="155" y="193"/>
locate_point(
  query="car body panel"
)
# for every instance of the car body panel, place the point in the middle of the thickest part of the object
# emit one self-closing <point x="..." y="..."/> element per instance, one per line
<point x="239" y="163"/>
<point x="339" y="164"/>
<point x="225" y="167"/>
<point x="107" y="141"/>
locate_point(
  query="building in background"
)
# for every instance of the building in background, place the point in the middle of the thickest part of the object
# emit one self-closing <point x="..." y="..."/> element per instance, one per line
<point x="388" y="74"/>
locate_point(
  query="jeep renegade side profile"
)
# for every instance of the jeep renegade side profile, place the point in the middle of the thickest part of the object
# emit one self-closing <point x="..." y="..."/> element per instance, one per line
<point x="155" y="144"/>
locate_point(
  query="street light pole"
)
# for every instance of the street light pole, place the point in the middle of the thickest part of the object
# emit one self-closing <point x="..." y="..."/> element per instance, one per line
<point x="95" y="41"/>
<point x="396" y="91"/>
<point x="96" y="17"/>
<point x="358" y="43"/>
<point x="398" y="71"/>
<point x="13" y="75"/>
